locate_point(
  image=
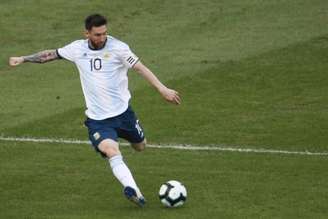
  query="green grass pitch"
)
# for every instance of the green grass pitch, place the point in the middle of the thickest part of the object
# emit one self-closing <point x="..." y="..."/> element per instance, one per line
<point x="251" y="73"/>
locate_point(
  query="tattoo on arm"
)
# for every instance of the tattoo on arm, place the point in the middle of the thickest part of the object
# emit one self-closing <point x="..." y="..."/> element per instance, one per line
<point x="42" y="57"/>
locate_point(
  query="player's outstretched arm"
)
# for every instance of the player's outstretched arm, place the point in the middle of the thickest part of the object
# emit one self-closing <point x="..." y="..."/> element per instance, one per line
<point x="168" y="94"/>
<point x="40" y="57"/>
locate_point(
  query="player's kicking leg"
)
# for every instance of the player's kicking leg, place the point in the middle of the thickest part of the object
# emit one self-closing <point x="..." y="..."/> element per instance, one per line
<point x="110" y="148"/>
<point x="139" y="146"/>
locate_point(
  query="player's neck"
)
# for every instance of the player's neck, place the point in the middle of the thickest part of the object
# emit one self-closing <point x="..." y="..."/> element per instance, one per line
<point x="93" y="47"/>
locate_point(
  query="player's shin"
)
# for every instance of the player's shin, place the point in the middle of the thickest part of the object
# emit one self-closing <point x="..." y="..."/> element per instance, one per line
<point x="123" y="173"/>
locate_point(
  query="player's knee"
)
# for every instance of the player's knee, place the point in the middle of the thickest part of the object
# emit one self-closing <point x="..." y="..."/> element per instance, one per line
<point x="140" y="146"/>
<point x="109" y="148"/>
<point x="110" y="152"/>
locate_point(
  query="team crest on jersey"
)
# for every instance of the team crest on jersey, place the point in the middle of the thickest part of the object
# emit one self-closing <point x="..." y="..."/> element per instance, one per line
<point x="106" y="55"/>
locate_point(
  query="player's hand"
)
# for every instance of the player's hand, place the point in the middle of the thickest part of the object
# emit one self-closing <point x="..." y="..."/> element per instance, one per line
<point x="170" y="95"/>
<point x="14" y="61"/>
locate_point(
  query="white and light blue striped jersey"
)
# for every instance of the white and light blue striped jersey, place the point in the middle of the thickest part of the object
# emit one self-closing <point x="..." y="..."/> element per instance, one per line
<point x="103" y="75"/>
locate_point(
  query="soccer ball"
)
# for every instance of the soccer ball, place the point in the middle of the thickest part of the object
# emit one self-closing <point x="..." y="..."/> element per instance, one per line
<point x="172" y="194"/>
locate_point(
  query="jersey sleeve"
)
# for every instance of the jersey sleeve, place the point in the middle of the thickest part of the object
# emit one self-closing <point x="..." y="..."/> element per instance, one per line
<point x="67" y="52"/>
<point x="128" y="58"/>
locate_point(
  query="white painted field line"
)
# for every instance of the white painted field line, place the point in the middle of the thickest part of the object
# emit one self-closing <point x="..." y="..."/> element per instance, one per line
<point x="178" y="147"/>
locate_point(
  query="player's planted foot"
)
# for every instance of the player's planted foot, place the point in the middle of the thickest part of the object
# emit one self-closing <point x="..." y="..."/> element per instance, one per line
<point x="131" y="194"/>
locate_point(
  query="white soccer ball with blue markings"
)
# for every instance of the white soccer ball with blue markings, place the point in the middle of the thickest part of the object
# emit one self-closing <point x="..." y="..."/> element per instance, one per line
<point x="172" y="194"/>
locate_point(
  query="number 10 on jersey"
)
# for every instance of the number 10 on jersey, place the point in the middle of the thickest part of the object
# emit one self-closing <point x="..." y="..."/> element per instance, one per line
<point x="95" y="64"/>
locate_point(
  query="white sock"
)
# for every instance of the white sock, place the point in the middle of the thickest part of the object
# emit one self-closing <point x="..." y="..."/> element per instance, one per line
<point x="122" y="173"/>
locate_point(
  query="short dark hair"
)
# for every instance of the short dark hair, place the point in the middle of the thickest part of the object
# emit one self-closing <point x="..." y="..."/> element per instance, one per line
<point x="94" y="20"/>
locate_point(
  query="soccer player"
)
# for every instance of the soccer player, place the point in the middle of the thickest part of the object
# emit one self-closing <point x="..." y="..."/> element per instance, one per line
<point x="103" y="62"/>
